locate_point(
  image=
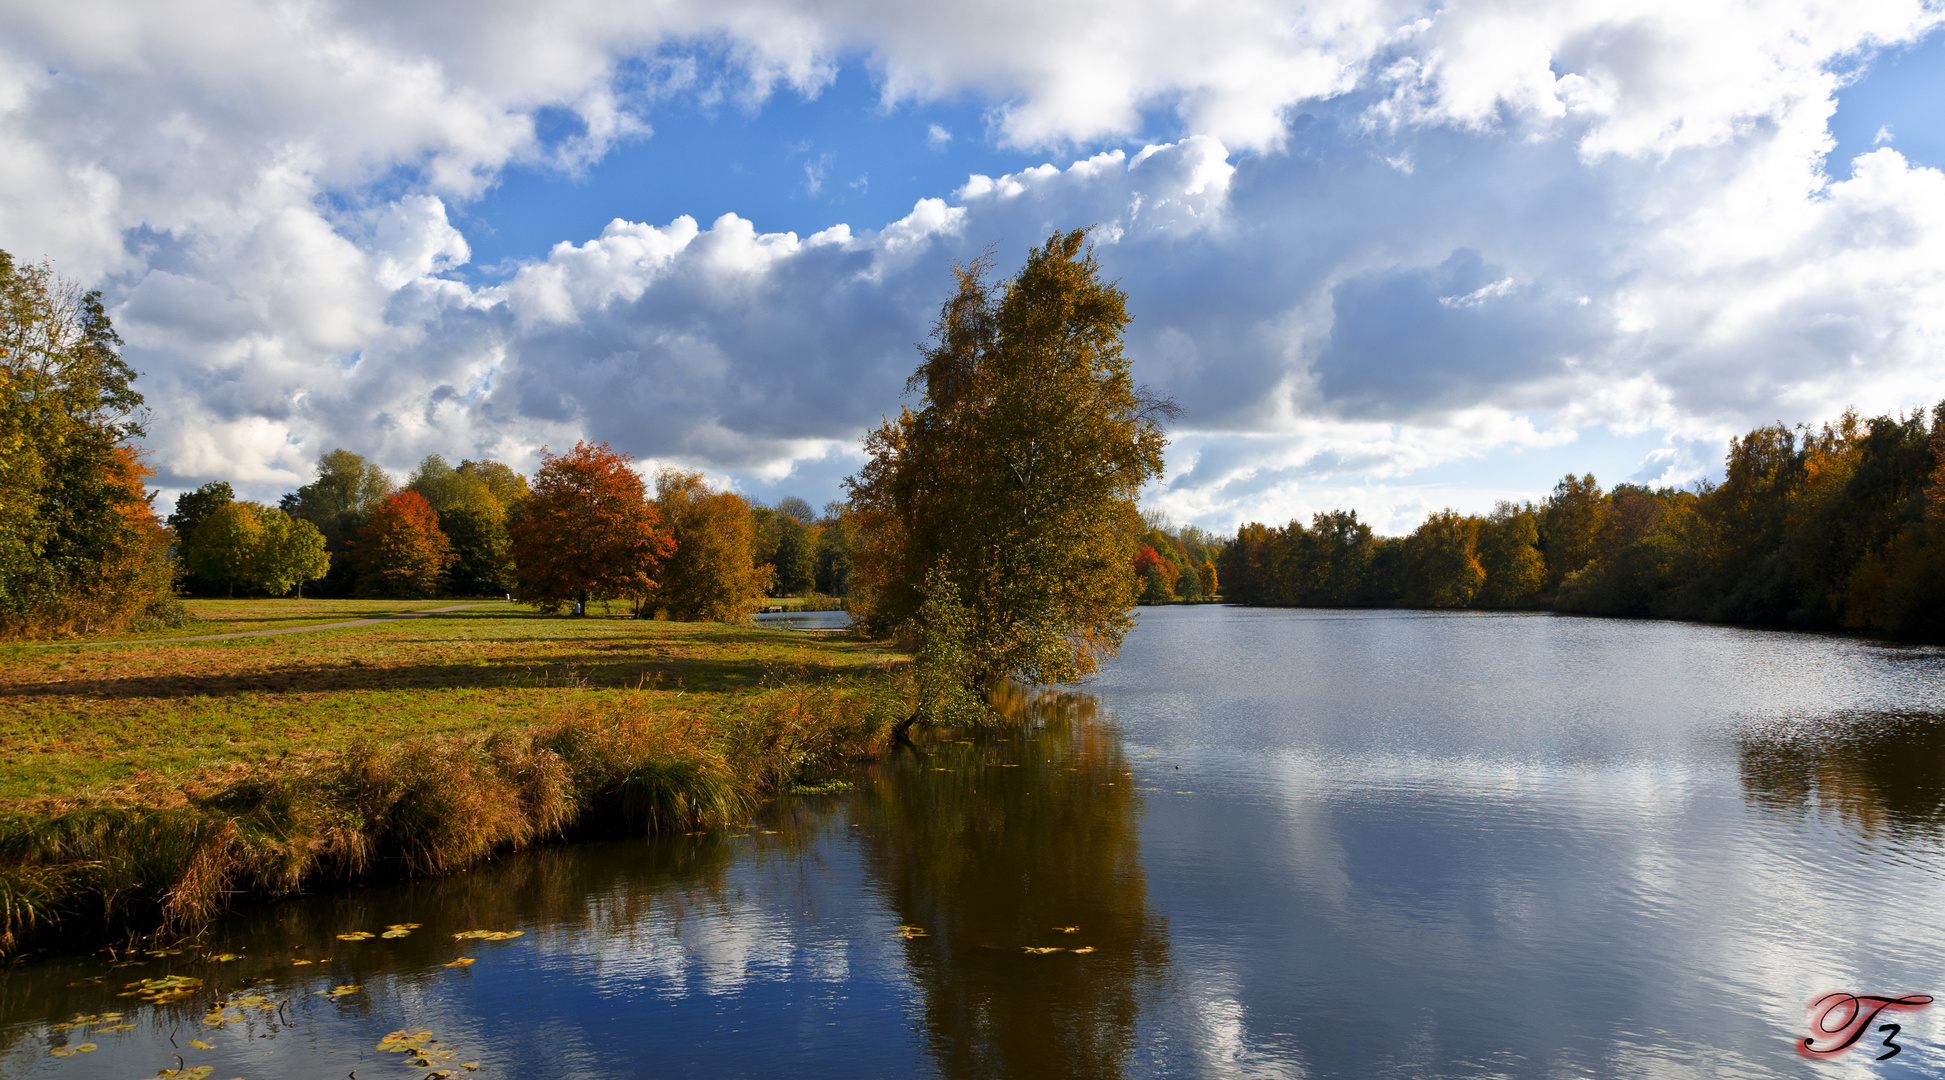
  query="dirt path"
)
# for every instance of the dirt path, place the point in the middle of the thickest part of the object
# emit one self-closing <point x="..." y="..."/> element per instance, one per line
<point x="273" y="633"/>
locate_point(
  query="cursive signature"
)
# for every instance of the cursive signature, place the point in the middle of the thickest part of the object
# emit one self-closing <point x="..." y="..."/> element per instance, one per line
<point x="1843" y="1018"/>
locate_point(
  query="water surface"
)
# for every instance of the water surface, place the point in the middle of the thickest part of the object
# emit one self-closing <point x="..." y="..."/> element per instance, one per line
<point x="1265" y="843"/>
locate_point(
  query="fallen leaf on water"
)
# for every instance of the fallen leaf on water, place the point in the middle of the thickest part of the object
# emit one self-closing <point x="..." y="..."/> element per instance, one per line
<point x="1042" y="949"/>
<point x="201" y="1045"/>
<point x="396" y="934"/>
<point x="401" y="1041"/>
<point x="912" y="932"/>
<point x="1068" y="929"/>
<point x="224" y="958"/>
<point x="469" y="1066"/>
<point x="301" y="963"/>
<point x="356" y="935"/>
<point x="340" y="991"/>
<point x="115" y="1027"/>
<point x="197" y="1073"/>
<point x="403" y="926"/>
<point x="164" y="952"/>
<point x="1083" y="949"/>
<point x="247" y="1002"/>
<point x="487" y="935"/>
<point x="461" y="962"/>
<point x="70" y="1051"/>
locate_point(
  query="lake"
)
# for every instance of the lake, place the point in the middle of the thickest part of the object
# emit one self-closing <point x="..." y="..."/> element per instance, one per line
<point x="1272" y="843"/>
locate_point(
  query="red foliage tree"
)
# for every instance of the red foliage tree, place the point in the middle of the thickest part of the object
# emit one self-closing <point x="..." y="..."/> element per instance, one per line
<point x="400" y="553"/>
<point x="588" y="532"/>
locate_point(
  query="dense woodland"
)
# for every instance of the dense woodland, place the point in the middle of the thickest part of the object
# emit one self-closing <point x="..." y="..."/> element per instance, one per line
<point x="1839" y="526"/>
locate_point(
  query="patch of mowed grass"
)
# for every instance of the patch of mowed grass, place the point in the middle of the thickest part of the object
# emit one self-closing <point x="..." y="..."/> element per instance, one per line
<point x="81" y="721"/>
<point x="144" y="786"/>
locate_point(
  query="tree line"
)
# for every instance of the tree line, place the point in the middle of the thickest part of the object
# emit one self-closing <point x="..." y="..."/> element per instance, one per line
<point x="587" y="528"/>
<point x="1842" y="526"/>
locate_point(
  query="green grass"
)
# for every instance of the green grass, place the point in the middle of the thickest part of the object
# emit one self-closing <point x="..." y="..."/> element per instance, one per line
<point x="124" y="723"/>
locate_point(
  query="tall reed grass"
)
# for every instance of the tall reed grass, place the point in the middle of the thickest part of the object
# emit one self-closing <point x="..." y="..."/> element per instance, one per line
<point x="428" y="805"/>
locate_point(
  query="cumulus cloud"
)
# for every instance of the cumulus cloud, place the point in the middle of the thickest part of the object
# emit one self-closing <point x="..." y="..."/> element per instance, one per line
<point x="1367" y="240"/>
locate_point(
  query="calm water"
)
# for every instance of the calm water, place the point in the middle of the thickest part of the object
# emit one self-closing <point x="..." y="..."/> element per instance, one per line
<point x="1269" y="843"/>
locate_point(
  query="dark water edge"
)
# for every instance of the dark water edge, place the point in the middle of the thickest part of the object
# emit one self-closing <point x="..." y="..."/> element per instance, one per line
<point x="1292" y="843"/>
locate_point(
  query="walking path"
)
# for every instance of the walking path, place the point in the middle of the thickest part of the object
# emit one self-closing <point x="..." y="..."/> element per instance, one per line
<point x="271" y="633"/>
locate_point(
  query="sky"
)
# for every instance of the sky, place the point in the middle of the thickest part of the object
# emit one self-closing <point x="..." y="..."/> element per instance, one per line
<point x="1387" y="256"/>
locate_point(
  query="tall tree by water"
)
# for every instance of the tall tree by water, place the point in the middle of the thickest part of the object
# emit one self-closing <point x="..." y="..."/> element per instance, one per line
<point x="1018" y="474"/>
<point x="80" y="548"/>
<point x="588" y="532"/>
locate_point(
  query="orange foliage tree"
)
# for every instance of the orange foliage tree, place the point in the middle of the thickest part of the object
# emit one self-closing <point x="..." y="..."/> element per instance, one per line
<point x="401" y="553"/>
<point x="588" y="532"/>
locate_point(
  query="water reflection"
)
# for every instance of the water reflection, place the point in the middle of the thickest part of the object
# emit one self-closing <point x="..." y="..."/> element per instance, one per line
<point x="1018" y="859"/>
<point x="1883" y="773"/>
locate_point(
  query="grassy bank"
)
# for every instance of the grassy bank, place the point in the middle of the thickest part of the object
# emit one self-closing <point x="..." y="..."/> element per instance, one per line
<point x="149" y="785"/>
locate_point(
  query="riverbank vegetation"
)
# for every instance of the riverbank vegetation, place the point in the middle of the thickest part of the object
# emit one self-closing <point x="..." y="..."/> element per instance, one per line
<point x="1841" y="526"/>
<point x="141" y="794"/>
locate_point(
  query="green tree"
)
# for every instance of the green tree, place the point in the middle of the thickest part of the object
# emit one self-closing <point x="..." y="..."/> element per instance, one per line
<point x="1442" y="561"/>
<point x="795" y="560"/>
<point x="712" y="575"/>
<point x="225" y="548"/>
<point x="1018" y="475"/>
<point x="290" y="552"/>
<point x="835" y="539"/>
<point x="482" y="551"/>
<point x="192" y="507"/>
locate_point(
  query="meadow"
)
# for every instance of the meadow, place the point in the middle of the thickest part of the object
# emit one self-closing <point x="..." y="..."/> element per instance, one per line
<point x="147" y="782"/>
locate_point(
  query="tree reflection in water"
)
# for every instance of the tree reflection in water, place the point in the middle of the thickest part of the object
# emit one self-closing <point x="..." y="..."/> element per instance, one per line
<point x="1882" y="773"/>
<point x="1005" y="841"/>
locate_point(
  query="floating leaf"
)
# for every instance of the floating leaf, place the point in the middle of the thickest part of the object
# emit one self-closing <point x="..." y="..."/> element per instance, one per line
<point x="249" y="1002"/>
<point x="461" y="962"/>
<point x="396" y="934"/>
<point x="1041" y="950"/>
<point x="357" y="935"/>
<point x="404" y="926"/>
<point x="70" y="1051"/>
<point x="909" y="932"/>
<point x="201" y="1045"/>
<point x="340" y="991"/>
<point x="1083" y="949"/>
<point x="487" y="935"/>
<point x="469" y="1066"/>
<point x="224" y="958"/>
<point x="164" y="952"/>
<point x="301" y="963"/>
<point x="1068" y="929"/>
<point x="115" y="1027"/>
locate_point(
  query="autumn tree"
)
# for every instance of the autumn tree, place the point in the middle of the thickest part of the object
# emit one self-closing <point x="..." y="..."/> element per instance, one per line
<point x="588" y="532"/>
<point x="1017" y="476"/>
<point x="80" y="547"/>
<point x="473" y="502"/>
<point x="1570" y="526"/>
<point x="400" y="553"/>
<point x="712" y="574"/>
<point x="1508" y="553"/>
<point x="1442" y="561"/>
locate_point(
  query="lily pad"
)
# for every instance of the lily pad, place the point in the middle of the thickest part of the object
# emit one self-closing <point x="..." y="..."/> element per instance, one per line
<point x="201" y="1045"/>
<point x="70" y="1051"/>
<point x="357" y="935"/>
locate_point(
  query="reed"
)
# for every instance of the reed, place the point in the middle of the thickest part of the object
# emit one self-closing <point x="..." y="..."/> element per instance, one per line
<point x="428" y="805"/>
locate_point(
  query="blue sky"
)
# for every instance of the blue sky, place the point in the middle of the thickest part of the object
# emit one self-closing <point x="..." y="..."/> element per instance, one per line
<point x="1390" y="257"/>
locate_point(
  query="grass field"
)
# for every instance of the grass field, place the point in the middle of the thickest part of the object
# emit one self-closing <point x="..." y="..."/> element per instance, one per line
<point x="126" y="723"/>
